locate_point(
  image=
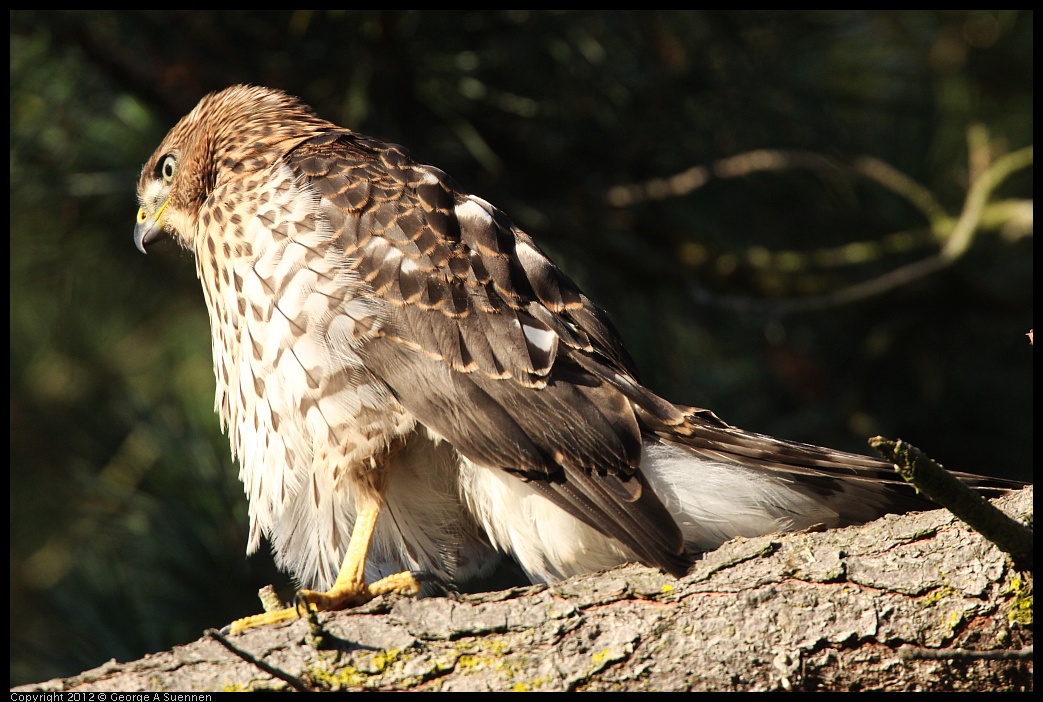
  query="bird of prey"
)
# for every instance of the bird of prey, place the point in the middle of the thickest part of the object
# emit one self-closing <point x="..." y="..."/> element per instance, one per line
<point x="411" y="386"/>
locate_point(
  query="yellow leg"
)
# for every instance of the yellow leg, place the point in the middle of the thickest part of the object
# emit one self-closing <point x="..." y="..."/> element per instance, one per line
<point x="350" y="589"/>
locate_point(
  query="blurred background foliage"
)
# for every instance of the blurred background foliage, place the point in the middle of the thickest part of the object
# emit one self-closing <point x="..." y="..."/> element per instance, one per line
<point x="128" y="523"/>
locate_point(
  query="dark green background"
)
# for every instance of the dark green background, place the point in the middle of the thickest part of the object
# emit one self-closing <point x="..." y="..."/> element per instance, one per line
<point x="128" y="524"/>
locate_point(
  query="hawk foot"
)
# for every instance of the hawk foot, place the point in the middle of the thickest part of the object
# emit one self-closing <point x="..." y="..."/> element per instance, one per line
<point x="335" y="599"/>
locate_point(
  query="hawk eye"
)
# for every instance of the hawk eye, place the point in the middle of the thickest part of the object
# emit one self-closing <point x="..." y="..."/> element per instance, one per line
<point x="168" y="167"/>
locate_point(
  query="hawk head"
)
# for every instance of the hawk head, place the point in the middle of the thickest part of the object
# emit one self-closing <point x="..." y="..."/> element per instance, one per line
<point x="228" y="135"/>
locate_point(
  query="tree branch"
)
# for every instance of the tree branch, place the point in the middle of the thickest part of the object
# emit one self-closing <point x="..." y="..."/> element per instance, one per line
<point x="811" y="611"/>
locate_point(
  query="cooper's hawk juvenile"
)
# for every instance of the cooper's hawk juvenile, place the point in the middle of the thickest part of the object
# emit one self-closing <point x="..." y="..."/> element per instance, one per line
<point x="401" y="369"/>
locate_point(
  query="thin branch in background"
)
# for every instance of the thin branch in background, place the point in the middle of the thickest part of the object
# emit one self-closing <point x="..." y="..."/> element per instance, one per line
<point x="738" y="166"/>
<point x="956" y="234"/>
<point x="902" y="185"/>
<point x="959" y="239"/>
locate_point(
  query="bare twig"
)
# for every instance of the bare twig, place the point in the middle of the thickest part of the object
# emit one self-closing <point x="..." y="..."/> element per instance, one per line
<point x="943" y="488"/>
<point x="290" y="680"/>
<point x="910" y="653"/>
<point x="270" y="600"/>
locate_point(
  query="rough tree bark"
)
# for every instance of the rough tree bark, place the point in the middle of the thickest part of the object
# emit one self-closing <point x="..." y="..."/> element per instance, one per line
<point x="835" y="610"/>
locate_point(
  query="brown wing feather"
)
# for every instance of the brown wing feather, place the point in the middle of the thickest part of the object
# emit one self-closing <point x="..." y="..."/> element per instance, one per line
<point x="483" y="336"/>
